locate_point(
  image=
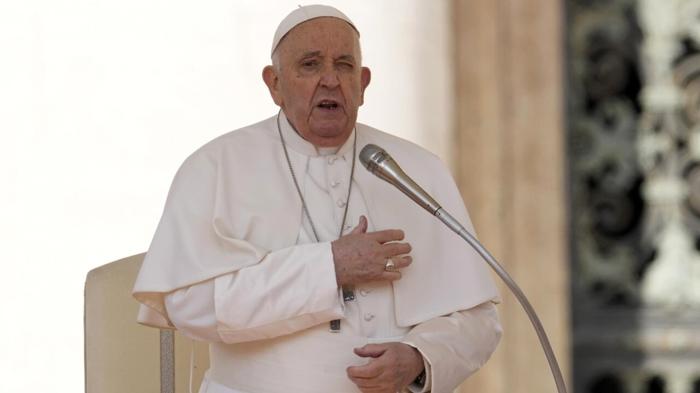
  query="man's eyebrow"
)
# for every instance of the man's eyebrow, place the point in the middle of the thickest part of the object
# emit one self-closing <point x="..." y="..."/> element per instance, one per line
<point x="347" y="57"/>
<point x="306" y="55"/>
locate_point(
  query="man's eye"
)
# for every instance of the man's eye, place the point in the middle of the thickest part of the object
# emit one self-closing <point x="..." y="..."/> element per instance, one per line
<point x="309" y="63"/>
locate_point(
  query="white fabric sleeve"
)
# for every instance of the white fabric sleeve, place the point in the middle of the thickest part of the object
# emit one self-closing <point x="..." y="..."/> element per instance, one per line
<point x="455" y="346"/>
<point x="289" y="290"/>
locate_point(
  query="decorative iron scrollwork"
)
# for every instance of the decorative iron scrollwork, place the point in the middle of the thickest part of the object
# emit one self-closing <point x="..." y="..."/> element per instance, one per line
<point x="634" y="151"/>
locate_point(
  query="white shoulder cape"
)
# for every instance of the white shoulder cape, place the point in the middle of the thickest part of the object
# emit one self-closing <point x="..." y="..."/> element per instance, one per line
<point x="233" y="201"/>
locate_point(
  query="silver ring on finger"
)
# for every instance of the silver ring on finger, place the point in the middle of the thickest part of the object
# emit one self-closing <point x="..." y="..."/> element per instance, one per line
<point x="390" y="266"/>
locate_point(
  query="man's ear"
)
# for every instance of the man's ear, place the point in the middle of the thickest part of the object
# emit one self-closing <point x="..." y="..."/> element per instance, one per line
<point x="269" y="75"/>
<point x="365" y="78"/>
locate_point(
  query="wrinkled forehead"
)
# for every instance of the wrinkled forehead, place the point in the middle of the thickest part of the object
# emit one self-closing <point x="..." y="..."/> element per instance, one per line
<point x="305" y="14"/>
<point x="328" y="36"/>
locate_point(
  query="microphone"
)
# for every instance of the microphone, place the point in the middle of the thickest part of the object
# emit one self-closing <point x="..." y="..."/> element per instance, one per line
<point x="380" y="163"/>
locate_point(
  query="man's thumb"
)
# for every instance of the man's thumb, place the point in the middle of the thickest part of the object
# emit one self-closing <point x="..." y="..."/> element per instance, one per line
<point x="370" y="351"/>
<point x="361" y="226"/>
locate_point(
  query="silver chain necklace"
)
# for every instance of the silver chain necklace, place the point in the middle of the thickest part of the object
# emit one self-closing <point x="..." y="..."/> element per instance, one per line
<point x="296" y="183"/>
<point x="348" y="293"/>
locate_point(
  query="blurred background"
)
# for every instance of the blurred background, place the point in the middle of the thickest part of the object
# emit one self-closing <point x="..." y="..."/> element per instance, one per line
<point x="570" y="126"/>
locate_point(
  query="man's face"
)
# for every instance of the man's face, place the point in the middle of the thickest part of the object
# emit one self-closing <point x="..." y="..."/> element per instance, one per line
<point x="319" y="81"/>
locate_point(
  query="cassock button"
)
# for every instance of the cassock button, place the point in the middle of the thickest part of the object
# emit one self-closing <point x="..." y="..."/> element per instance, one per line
<point x="369" y="316"/>
<point x="363" y="292"/>
<point x="340" y="203"/>
<point x="331" y="160"/>
<point x="335" y="183"/>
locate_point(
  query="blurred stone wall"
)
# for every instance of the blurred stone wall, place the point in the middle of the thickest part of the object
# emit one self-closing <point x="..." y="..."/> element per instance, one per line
<point x="510" y="166"/>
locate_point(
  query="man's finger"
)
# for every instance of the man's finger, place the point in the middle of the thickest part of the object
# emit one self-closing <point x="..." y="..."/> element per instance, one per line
<point x="387" y="235"/>
<point x="391" y="276"/>
<point x="365" y="385"/>
<point x="369" y="370"/>
<point x="395" y="248"/>
<point x="402" y="261"/>
<point x="371" y="350"/>
<point x="361" y="226"/>
<point x="368" y="384"/>
<point x="399" y="263"/>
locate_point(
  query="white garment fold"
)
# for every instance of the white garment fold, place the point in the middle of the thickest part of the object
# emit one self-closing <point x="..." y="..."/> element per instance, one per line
<point x="244" y="271"/>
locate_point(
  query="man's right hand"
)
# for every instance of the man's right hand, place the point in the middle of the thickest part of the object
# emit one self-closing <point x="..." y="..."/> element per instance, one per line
<point x="361" y="257"/>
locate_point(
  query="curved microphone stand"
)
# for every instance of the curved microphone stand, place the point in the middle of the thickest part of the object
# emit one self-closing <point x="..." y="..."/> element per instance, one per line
<point x="380" y="163"/>
<point x="453" y="224"/>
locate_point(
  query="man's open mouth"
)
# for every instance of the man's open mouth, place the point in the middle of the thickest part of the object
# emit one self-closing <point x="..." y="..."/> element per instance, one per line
<point x="328" y="105"/>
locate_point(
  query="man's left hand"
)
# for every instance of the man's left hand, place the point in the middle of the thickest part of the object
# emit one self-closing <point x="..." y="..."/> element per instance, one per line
<point x="392" y="367"/>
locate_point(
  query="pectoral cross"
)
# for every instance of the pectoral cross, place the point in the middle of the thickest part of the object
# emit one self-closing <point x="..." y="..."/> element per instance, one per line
<point x="348" y="296"/>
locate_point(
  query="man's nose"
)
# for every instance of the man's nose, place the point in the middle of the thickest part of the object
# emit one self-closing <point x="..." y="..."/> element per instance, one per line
<point x="329" y="78"/>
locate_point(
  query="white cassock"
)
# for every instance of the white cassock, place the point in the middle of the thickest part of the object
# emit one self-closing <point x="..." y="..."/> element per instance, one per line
<point x="234" y="262"/>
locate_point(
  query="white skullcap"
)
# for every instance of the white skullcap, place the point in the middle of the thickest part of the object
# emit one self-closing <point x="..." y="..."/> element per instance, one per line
<point x="303" y="14"/>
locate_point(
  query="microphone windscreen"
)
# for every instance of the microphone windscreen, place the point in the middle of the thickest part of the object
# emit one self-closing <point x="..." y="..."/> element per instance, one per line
<point x="370" y="154"/>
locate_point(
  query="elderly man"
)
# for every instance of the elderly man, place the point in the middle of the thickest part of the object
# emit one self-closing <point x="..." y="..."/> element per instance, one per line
<point x="255" y="252"/>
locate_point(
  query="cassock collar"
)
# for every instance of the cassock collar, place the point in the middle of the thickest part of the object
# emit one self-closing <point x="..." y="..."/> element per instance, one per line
<point x="300" y="145"/>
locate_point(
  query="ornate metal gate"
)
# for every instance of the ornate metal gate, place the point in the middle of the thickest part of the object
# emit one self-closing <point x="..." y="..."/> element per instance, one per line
<point x="634" y="148"/>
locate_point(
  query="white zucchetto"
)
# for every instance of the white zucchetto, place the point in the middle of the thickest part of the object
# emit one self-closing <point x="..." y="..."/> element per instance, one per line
<point x="303" y="14"/>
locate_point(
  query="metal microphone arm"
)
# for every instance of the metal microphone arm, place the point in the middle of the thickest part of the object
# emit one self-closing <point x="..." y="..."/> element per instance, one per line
<point x="380" y="163"/>
<point x="454" y="225"/>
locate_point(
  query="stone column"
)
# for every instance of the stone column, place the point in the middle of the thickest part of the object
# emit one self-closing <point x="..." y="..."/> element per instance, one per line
<point x="510" y="165"/>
